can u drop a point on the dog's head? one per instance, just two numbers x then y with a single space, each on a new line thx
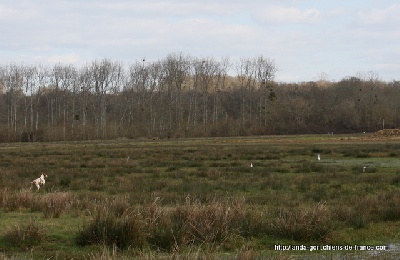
43 176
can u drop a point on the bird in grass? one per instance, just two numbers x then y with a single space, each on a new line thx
251 165
318 157
365 167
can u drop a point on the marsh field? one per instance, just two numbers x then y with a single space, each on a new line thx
200 199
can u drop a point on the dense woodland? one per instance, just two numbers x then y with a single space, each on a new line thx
183 96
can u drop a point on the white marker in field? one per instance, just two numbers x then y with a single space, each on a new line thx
318 157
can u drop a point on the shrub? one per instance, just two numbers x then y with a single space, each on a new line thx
159 226
389 209
161 234
308 224
116 206
53 204
358 220
361 213
106 229
23 198
210 223
25 236
252 222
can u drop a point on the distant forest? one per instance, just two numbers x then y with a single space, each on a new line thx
183 96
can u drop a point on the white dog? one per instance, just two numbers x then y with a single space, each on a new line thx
40 181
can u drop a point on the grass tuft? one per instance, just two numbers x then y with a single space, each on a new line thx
25 236
54 204
309 224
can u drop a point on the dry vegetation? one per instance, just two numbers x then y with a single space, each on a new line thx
198 198
181 96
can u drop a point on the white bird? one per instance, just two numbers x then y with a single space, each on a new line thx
365 167
318 157
251 165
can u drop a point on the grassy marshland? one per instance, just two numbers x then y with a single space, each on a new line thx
198 197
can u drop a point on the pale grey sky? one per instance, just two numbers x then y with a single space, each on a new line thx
304 37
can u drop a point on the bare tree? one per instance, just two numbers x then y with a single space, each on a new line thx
186 96
29 91
13 83
176 69
220 87
104 74
66 78
85 82
155 80
265 74
246 73
137 81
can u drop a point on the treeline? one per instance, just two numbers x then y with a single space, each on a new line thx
184 96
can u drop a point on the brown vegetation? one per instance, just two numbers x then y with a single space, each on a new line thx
25 236
183 96
387 133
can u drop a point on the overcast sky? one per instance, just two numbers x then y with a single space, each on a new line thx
305 38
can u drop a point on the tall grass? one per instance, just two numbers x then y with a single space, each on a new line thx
115 224
309 224
163 228
213 223
54 204
21 199
109 230
51 204
216 224
25 236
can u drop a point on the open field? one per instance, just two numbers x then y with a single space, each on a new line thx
199 198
